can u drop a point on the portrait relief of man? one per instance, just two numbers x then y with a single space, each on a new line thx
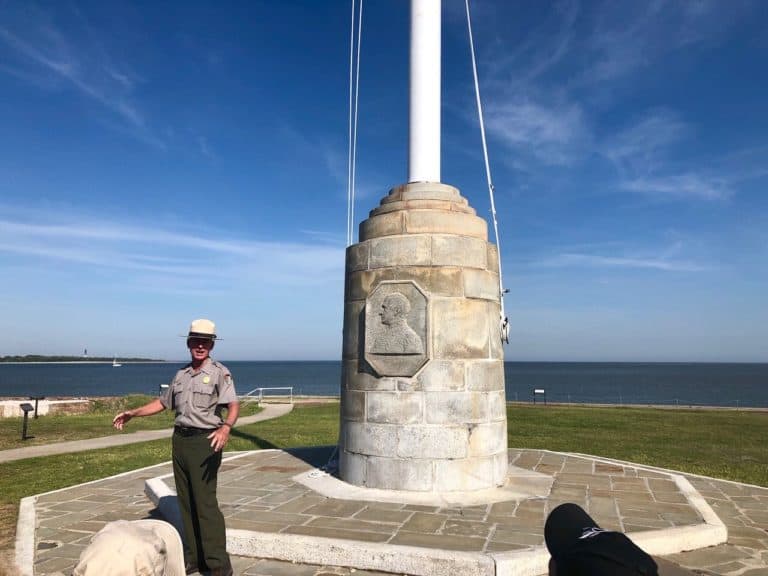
394 335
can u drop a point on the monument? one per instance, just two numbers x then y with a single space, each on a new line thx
422 394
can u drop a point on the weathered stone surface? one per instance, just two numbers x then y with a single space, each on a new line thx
425 191
464 474
456 407
493 258
432 442
353 466
440 222
396 474
497 406
371 439
437 280
481 284
487 439
357 257
424 204
382 225
411 250
353 324
359 284
442 375
355 379
463 330
395 408
353 405
451 250
501 463
485 375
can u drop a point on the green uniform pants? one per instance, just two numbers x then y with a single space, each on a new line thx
195 470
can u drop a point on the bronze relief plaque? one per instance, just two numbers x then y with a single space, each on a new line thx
396 328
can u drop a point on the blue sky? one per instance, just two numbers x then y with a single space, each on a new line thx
166 161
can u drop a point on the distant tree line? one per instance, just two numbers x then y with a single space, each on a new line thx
42 358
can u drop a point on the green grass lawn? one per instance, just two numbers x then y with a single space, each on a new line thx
92 424
724 444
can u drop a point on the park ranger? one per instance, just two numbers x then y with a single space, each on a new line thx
198 394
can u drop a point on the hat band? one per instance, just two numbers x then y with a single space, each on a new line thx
201 335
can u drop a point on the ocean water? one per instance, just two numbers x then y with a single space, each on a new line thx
685 384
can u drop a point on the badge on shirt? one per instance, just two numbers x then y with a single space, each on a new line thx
206 379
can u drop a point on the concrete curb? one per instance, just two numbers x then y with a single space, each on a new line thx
25 536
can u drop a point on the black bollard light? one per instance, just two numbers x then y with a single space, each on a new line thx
27 408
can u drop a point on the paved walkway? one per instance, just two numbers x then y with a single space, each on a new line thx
280 524
269 411
269 512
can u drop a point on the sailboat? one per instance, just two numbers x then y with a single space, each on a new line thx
115 363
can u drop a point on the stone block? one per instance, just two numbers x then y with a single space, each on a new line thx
359 284
353 405
395 407
485 375
422 204
371 439
357 257
465 474
354 321
409 384
353 378
389 224
352 467
441 375
481 284
408 250
501 465
432 442
437 281
397 474
460 328
440 222
456 407
497 405
450 250
488 439
493 257
425 191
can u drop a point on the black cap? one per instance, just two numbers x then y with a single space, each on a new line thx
565 526
579 547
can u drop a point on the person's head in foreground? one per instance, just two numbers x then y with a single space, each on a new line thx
123 548
579 547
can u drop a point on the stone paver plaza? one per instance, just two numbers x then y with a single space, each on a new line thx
270 514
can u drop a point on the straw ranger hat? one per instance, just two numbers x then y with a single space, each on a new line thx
123 548
202 328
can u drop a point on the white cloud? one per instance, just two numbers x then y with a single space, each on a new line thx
640 145
575 260
178 259
690 185
552 134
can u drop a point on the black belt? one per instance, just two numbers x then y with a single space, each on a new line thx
188 431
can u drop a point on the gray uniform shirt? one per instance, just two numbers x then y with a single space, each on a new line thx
199 397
